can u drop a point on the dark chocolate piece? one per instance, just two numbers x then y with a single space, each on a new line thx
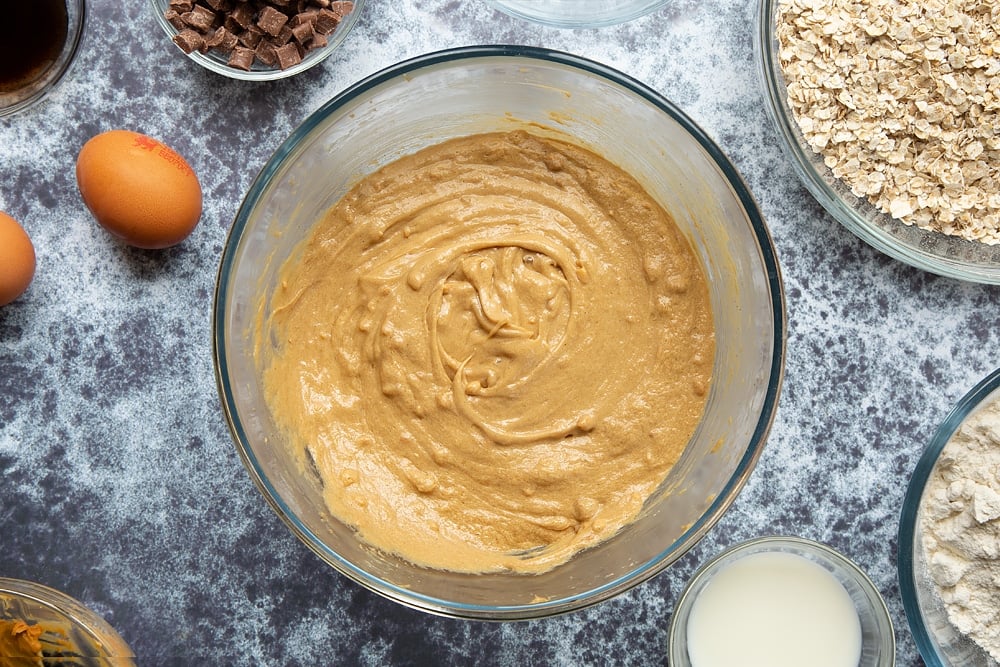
266 53
271 20
288 55
242 15
189 40
283 37
222 39
251 37
342 7
326 21
319 41
303 33
242 58
174 19
200 18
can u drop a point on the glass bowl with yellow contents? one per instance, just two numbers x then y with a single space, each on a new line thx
42 626
499 332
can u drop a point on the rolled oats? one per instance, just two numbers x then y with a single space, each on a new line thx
902 100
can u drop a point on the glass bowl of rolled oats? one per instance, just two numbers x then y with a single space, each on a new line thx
889 110
257 40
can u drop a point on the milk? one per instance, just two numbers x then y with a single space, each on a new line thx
773 609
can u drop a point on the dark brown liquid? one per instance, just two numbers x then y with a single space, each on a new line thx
32 34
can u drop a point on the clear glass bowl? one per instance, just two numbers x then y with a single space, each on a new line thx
460 92
938 253
878 642
70 630
578 13
36 90
218 63
940 644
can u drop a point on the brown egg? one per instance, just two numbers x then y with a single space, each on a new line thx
17 259
139 189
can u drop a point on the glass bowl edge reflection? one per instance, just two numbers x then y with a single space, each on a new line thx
409 597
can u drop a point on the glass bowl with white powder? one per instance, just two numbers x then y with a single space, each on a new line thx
887 113
949 536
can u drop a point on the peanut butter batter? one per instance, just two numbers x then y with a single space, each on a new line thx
19 644
492 351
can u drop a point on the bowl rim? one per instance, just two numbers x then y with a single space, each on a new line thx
841 205
772 544
907 533
311 59
536 13
63 64
637 574
77 613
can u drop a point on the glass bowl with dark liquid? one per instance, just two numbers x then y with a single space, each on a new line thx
38 40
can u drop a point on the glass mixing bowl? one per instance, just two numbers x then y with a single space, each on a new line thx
216 62
466 91
578 13
940 644
71 634
938 253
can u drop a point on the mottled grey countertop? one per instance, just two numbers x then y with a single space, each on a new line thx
119 483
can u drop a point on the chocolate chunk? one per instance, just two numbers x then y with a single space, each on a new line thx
242 58
174 19
220 5
266 53
200 18
327 20
319 41
251 37
271 20
189 40
307 16
222 39
342 7
242 15
303 33
288 55
181 6
283 37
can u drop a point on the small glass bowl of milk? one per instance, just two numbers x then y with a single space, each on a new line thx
781 602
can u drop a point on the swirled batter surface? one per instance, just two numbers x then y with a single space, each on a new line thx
493 350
